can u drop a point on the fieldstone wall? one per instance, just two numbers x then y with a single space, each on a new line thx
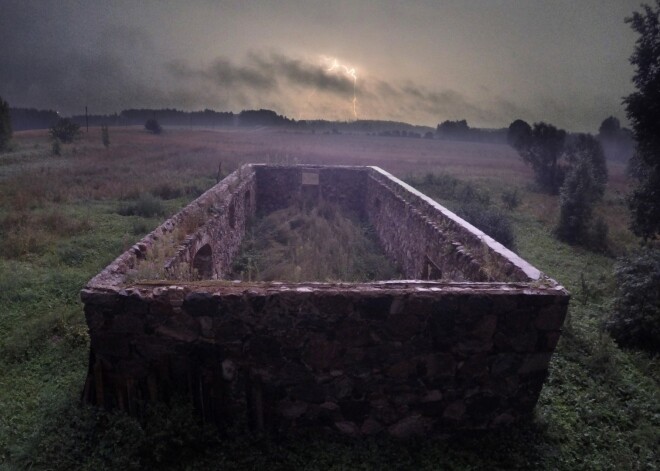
426 238
469 351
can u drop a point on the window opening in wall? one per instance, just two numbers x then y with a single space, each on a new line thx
203 263
431 271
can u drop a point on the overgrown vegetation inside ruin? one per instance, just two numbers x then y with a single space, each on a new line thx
598 410
317 243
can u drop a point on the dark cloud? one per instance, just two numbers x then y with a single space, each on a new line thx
488 62
300 73
265 72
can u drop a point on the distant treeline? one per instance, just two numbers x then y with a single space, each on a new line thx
30 118
616 141
460 131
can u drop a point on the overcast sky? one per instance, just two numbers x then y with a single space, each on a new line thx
487 61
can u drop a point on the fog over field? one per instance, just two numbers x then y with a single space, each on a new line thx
489 62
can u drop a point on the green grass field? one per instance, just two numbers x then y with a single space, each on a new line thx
62 219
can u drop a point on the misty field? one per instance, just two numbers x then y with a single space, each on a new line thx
63 218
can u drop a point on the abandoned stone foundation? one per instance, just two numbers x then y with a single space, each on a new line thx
463 343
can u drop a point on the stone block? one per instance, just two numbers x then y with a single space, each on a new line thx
535 362
348 428
551 317
321 354
411 426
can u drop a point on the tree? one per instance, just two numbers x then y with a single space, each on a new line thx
453 129
617 142
542 149
583 187
644 114
153 126
609 128
585 147
519 134
65 130
5 125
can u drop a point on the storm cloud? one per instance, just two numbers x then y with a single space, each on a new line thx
424 63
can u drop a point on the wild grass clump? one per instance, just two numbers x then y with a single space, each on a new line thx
33 232
316 244
448 187
88 438
147 205
167 191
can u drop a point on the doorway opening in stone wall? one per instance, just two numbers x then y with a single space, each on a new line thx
203 263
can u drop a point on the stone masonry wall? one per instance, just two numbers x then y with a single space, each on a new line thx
394 357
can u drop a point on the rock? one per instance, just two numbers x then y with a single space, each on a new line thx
293 410
454 411
371 427
410 426
348 428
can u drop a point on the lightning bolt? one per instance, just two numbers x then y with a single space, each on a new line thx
333 65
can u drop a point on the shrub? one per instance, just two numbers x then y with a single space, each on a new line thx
598 235
65 130
635 318
493 222
153 126
167 191
583 187
511 199
146 206
56 148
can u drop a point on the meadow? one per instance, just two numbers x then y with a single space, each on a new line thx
63 218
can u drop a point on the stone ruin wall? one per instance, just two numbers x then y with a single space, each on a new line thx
396 357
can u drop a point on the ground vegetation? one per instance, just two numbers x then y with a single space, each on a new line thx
60 224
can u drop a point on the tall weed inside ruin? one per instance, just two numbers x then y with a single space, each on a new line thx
319 243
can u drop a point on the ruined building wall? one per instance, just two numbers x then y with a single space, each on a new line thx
280 187
208 252
397 357
364 359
